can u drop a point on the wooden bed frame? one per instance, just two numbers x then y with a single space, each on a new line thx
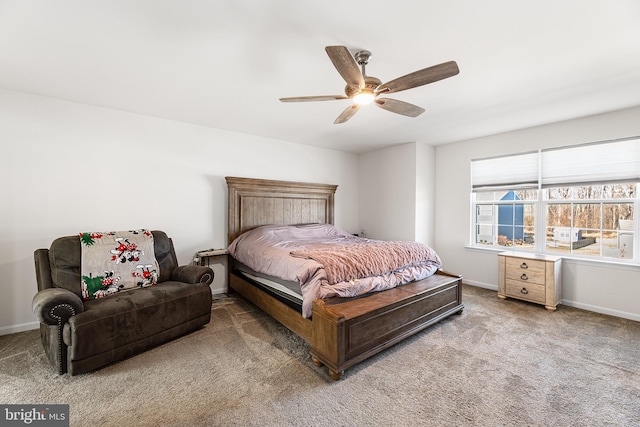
341 331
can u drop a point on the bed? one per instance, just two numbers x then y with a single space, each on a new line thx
342 331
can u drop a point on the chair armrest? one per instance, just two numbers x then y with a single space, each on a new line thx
192 274
54 306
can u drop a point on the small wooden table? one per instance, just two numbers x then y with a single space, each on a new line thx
211 257
530 277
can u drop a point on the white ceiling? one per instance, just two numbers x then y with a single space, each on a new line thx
225 63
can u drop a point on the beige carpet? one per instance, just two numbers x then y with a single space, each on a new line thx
500 363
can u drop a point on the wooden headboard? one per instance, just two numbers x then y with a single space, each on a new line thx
256 202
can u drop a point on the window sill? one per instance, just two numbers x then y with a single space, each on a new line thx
566 258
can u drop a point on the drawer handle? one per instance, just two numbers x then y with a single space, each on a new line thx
524 277
524 291
524 265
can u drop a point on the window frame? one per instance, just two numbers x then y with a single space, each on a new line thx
541 203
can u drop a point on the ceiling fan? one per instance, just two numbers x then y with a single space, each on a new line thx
363 89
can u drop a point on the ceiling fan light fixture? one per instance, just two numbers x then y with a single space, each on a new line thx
363 89
364 97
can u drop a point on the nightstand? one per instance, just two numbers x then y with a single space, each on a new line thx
216 259
530 277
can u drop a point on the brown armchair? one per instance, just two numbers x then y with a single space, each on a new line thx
80 336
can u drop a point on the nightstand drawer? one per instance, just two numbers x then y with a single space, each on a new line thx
527 270
526 276
527 291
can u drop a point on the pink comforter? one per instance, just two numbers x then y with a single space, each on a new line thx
318 256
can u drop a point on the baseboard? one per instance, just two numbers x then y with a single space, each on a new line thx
603 310
582 306
12 329
6 330
215 290
480 284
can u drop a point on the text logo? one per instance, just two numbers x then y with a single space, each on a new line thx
34 415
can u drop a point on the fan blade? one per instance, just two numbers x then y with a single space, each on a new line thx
347 114
421 77
345 64
313 98
399 107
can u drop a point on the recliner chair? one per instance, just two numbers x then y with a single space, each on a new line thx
81 336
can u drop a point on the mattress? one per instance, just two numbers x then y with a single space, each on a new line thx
285 291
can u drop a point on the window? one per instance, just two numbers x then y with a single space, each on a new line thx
505 218
594 220
577 201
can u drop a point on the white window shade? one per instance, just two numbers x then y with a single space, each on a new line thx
508 172
616 161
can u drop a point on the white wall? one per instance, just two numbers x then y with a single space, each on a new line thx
605 288
387 192
67 167
425 193
397 193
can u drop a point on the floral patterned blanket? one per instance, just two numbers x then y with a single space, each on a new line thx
115 261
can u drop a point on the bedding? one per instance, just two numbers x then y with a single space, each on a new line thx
319 257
